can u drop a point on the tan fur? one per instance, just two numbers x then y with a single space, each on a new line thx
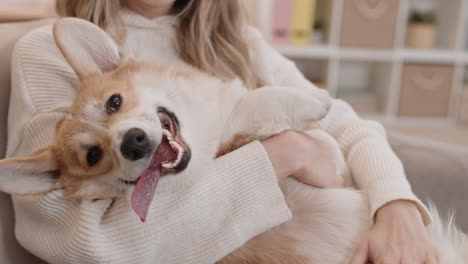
70 154
268 248
42 160
237 141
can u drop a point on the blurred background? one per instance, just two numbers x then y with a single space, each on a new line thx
401 62
22 10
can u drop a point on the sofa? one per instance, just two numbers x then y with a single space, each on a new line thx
437 172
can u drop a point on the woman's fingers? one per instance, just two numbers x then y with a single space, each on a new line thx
432 260
399 236
307 159
318 163
361 253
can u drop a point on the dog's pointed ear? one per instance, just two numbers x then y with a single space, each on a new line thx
86 47
29 175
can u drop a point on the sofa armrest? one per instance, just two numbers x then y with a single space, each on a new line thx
438 173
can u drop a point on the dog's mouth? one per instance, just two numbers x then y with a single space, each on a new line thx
173 150
171 156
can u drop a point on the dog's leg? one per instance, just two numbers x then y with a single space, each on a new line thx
260 114
268 248
268 111
342 168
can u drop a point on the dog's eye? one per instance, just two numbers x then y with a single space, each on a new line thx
113 104
93 156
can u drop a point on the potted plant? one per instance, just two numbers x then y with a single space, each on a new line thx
421 30
318 33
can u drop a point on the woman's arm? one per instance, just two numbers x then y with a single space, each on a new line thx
235 199
374 166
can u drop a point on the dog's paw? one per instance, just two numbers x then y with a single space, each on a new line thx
326 101
268 110
317 105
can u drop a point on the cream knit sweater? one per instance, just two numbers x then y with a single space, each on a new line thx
236 198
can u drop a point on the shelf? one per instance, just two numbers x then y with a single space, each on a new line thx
413 55
306 52
325 51
365 54
369 77
445 32
431 56
464 58
315 71
364 84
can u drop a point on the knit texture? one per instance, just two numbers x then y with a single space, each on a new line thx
234 199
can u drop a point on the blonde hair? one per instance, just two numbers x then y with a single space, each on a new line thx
211 34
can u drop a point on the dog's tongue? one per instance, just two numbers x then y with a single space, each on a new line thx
145 187
144 192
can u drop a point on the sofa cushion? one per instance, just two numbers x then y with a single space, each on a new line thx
438 173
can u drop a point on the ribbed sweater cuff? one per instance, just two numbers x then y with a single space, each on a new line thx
383 192
379 173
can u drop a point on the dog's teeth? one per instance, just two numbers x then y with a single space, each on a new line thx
180 155
177 147
167 165
168 134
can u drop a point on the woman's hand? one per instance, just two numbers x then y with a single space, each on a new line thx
303 157
399 236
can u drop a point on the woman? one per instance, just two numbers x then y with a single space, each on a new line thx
209 35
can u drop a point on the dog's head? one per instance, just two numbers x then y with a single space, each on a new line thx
121 130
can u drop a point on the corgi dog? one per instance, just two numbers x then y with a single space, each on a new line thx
132 123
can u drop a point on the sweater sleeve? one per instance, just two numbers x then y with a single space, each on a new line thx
374 166
234 199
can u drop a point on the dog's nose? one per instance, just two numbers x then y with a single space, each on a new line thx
135 144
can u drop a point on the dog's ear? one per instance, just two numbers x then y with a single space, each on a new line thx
86 47
33 174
